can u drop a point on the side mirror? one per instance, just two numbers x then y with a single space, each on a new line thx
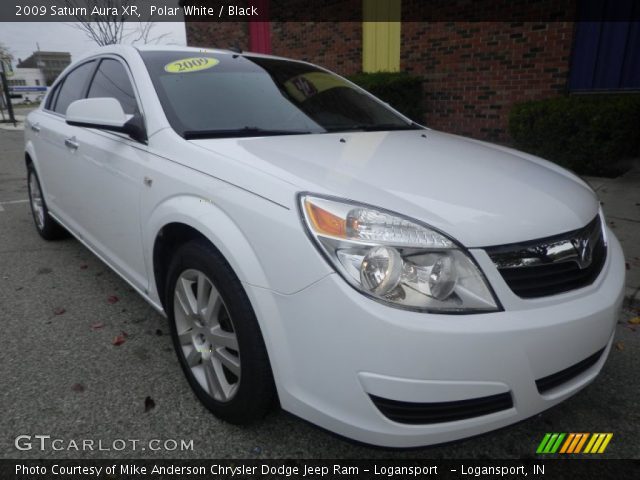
105 114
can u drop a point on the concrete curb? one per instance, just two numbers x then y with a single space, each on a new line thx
6 125
11 128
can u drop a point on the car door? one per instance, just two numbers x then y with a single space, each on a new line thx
109 170
58 164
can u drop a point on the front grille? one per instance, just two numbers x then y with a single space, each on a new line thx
552 381
552 265
439 412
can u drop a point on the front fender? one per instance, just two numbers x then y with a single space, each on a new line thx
213 223
264 242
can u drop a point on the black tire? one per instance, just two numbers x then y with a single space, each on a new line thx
255 393
46 226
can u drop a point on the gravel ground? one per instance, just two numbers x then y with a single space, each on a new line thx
61 376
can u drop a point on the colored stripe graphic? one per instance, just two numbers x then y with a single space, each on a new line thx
581 443
577 440
572 443
567 443
543 443
596 445
598 442
556 445
590 444
608 438
550 443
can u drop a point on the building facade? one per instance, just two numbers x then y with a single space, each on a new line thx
50 63
26 85
473 71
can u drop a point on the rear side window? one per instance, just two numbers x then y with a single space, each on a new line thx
73 87
51 101
111 80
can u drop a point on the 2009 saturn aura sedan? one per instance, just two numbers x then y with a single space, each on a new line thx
310 245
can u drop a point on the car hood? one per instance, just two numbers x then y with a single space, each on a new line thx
480 194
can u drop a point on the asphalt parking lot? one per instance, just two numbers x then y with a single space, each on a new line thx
61 309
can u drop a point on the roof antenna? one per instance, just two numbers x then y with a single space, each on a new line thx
235 49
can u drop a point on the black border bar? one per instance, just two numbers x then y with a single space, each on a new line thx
333 11
316 469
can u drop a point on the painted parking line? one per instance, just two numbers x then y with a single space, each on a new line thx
11 202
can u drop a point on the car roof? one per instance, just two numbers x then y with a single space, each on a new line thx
129 49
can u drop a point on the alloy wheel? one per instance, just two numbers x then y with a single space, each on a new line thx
207 335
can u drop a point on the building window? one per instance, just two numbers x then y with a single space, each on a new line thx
605 54
381 35
37 82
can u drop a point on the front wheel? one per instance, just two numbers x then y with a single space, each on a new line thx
216 336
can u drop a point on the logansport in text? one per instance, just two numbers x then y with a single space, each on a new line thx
499 470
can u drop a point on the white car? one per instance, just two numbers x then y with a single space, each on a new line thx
311 246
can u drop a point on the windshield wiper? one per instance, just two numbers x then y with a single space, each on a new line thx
379 127
239 132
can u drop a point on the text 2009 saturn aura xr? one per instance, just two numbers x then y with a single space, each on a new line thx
312 247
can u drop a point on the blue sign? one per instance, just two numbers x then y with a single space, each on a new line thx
27 89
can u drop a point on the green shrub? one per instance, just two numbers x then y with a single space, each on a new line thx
400 90
590 134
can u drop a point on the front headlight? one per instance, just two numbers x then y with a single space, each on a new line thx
396 260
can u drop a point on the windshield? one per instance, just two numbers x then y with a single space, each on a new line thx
208 95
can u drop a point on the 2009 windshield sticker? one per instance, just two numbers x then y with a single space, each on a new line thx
194 64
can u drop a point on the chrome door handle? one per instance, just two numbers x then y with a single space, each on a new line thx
71 143
35 127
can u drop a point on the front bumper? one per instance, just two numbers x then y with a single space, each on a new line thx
331 349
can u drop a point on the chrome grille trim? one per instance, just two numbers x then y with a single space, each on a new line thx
554 264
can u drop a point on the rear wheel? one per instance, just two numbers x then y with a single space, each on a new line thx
216 336
47 227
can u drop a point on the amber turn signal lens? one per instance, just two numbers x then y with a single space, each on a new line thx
325 223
